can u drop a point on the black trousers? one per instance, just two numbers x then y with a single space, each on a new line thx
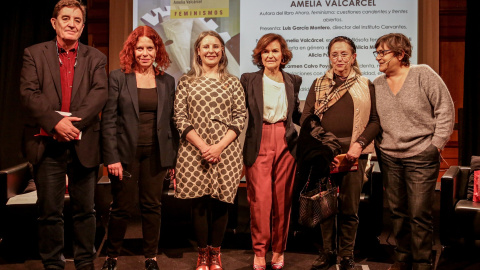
345 228
147 181
59 160
210 219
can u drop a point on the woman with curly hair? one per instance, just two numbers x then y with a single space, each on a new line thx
138 140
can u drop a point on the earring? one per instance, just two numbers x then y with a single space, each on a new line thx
199 60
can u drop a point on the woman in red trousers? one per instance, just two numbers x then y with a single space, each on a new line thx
273 108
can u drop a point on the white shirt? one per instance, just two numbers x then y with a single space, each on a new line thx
274 101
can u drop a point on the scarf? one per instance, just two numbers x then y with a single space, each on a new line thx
325 93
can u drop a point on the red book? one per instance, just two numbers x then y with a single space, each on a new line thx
345 165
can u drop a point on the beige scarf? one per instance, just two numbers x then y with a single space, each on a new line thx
326 96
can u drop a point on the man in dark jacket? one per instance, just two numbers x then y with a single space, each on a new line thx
63 87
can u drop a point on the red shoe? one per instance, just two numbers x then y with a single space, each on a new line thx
203 259
278 265
215 260
259 267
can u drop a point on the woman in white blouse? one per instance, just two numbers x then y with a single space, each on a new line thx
269 148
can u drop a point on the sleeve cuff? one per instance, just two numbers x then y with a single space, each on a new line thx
362 141
439 143
235 129
185 132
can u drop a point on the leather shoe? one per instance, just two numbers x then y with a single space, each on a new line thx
110 264
324 260
151 264
347 263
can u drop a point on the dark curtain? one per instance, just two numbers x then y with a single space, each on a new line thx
470 138
23 23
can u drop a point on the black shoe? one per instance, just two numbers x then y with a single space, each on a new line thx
347 263
110 264
151 264
324 260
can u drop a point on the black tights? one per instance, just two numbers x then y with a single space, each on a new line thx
210 218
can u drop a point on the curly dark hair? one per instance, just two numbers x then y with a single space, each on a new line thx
127 55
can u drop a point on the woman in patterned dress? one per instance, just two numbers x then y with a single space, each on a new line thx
209 114
269 148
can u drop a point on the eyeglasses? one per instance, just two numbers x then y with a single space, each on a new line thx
381 53
343 56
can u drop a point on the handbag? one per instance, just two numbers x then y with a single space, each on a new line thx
317 205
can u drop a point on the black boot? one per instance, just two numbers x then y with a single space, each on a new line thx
110 264
151 264
347 263
324 260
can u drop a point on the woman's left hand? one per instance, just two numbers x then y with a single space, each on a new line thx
354 152
212 155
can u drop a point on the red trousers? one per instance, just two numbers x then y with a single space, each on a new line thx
269 191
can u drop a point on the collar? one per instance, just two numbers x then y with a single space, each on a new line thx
330 74
62 50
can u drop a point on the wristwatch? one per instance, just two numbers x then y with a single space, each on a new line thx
362 144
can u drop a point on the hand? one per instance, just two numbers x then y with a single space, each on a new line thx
335 163
212 155
116 169
205 149
65 130
354 152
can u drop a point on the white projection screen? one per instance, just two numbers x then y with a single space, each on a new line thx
308 26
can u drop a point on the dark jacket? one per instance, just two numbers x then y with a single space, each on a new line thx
41 94
253 85
120 119
316 148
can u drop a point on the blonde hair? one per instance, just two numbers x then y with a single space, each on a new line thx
196 71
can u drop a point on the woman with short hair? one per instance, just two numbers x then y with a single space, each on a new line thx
269 149
417 117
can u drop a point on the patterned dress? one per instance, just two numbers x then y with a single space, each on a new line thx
211 108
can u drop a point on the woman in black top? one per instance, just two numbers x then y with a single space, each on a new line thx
138 140
345 103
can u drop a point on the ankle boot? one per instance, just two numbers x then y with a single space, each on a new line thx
203 259
215 260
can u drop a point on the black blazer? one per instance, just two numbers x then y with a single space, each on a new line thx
253 85
120 119
41 94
